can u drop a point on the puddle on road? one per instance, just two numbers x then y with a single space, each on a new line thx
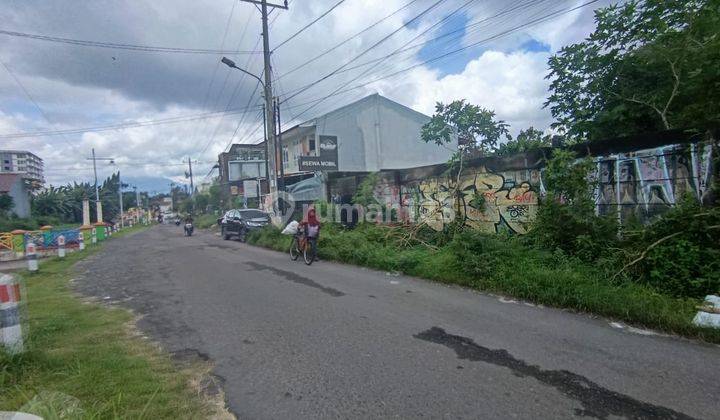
296 278
597 401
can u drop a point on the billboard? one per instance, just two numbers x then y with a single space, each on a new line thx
328 159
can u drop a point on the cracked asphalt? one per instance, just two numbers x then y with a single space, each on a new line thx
338 341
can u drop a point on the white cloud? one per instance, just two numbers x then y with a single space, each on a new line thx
80 87
511 84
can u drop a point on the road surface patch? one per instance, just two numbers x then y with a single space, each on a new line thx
597 401
296 278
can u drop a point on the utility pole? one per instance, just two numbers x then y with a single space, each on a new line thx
269 109
192 188
97 191
137 204
122 224
98 204
281 154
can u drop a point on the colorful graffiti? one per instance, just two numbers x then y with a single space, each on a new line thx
484 200
637 185
646 183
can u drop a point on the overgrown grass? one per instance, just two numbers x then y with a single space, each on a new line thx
82 360
205 221
506 265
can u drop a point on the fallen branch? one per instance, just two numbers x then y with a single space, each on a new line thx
653 245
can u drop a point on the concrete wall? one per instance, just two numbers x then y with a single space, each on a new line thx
639 184
21 198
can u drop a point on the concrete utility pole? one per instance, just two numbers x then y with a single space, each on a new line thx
192 187
122 224
269 109
137 204
98 204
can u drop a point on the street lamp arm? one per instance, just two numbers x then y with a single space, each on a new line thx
228 62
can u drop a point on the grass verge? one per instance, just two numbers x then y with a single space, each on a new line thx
504 265
82 359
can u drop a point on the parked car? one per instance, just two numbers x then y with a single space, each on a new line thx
239 222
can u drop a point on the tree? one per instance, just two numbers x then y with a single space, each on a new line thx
477 130
6 203
528 139
648 65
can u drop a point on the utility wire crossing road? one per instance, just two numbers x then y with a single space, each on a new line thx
337 341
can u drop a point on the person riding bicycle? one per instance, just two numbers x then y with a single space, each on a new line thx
310 228
189 219
310 225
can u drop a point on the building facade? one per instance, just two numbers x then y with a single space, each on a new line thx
14 186
242 170
28 164
371 134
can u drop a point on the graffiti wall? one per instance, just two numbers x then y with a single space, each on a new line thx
494 196
646 183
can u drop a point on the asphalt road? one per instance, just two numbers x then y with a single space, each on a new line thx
337 341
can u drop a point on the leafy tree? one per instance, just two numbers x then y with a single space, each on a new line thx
477 129
528 139
648 65
53 201
6 203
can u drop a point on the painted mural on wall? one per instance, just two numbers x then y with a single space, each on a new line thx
485 200
645 183
640 185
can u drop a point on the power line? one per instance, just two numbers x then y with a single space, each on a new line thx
217 65
120 46
34 102
237 86
461 32
324 53
445 55
383 39
431 27
309 24
122 126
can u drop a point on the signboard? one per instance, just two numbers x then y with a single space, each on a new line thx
234 190
245 169
250 187
328 159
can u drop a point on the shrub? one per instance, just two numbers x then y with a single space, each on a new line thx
566 218
679 253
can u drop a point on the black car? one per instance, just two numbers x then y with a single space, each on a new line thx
241 221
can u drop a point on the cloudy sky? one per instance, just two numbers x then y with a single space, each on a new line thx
491 52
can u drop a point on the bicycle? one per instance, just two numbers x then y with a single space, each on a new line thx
302 244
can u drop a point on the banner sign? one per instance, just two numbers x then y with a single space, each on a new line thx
328 159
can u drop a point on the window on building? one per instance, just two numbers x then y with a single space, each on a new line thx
311 144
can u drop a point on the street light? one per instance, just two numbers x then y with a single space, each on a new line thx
270 139
228 62
112 163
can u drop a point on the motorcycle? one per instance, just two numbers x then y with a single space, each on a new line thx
177 222
188 229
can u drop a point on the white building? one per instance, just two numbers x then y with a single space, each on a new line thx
373 134
369 135
23 162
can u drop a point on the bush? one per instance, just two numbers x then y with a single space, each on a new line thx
566 218
681 251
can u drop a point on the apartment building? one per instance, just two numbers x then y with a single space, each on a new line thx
28 164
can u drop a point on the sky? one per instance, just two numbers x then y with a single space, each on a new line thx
492 53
